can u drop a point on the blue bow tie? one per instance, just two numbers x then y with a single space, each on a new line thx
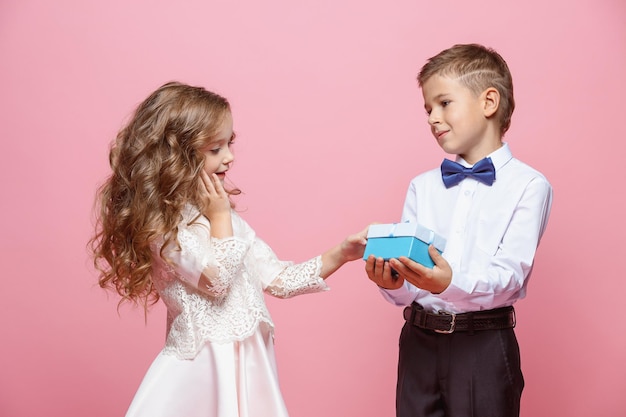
453 173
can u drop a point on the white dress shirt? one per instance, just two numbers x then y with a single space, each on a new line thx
492 234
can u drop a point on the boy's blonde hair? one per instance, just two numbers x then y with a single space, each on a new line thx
156 161
478 68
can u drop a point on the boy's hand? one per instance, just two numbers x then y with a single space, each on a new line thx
435 280
379 272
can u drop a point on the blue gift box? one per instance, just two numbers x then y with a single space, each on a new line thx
403 239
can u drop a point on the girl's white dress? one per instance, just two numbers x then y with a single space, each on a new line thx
218 359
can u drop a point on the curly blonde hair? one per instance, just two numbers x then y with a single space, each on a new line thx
156 161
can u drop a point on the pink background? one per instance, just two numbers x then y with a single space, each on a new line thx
331 130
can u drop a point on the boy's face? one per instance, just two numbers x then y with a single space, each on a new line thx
457 119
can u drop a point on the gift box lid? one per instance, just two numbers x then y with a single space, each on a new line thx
409 229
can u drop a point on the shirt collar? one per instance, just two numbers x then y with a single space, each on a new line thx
499 157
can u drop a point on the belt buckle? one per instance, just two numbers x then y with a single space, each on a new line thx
452 323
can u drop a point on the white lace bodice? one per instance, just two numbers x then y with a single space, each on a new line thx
227 303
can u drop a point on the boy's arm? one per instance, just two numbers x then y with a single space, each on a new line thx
501 262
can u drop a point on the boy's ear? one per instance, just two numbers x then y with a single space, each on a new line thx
491 100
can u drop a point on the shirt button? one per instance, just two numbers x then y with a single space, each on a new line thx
467 193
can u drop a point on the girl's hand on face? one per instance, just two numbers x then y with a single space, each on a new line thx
216 198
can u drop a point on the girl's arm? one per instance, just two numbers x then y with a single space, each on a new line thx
206 263
285 279
350 249
218 210
209 256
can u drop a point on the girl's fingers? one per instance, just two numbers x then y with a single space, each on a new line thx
206 180
213 189
212 184
217 184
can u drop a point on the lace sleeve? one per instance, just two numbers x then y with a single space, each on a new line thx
229 255
282 279
302 278
206 263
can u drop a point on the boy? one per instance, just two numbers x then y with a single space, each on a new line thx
458 352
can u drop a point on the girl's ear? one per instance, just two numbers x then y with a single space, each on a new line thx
491 101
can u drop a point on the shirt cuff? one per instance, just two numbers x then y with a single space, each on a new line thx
402 296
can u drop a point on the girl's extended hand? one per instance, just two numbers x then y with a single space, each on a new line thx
216 205
353 246
350 249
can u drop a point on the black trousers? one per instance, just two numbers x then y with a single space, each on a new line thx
458 375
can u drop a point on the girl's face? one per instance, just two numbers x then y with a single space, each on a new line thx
217 154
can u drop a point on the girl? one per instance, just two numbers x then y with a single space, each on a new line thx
167 230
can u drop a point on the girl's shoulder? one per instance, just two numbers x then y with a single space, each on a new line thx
240 226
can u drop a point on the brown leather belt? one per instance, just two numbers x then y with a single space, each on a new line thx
444 322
